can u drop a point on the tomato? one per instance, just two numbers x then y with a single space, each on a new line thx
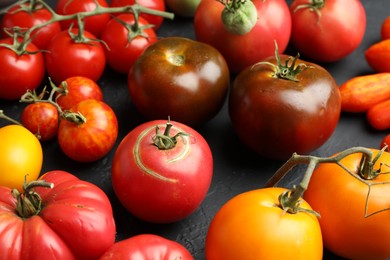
241 51
71 220
18 73
356 208
29 16
124 44
41 119
178 77
21 156
377 56
385 29
66 57
174 179
147 246
262 230
385 141
93 138
327 31
158 5
185 8
276 116
92 24
78 89
378 116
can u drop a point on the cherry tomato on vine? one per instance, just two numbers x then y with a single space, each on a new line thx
263 230
90 139
67 56
124 44
19 73
93 24
356 207
171 162
41 119
327 31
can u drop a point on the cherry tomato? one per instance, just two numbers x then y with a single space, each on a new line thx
66 57
19 73
275 115
158 5
79 88
240 51
92 139
185 8
385 29
174 179
354 211
41 119
124 45
385 141
327 31
178 77
262 230
147 246
21 156
29 17
93 24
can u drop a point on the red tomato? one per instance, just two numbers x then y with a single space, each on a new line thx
252 225
66 57
240 51
385 29
19 73
125 44
72 220
90 140
327 31
385 141
41 119
28 17
354 210
377 56
147 246
158 5
174 180
79 88
93 24
181 78
277 116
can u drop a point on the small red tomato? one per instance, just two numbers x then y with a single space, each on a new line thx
377 56
385 29
41 119
171 162
385 141
79 88
90 139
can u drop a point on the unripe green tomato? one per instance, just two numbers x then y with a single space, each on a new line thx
185 8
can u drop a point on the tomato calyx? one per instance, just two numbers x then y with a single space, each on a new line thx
164 141
367 171
314 6
238 16
134 30
29 202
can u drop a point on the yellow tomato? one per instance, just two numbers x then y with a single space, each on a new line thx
20 155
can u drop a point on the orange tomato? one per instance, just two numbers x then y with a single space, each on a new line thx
253 226
351 228
378 56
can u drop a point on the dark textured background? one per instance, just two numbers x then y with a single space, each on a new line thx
236 168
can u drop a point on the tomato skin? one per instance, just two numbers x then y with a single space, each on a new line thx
331 188
41 119
385 29
283 235
378 55
277 117
174 181
93 24
79 88
24 19
21 156
241 51
19 73
66 58
76 222
122 53
92 140
179 67
147 246
332 36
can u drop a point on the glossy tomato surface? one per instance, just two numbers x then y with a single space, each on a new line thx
181 78
75 221
276 117
147 246
241 51
174 181
357 209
